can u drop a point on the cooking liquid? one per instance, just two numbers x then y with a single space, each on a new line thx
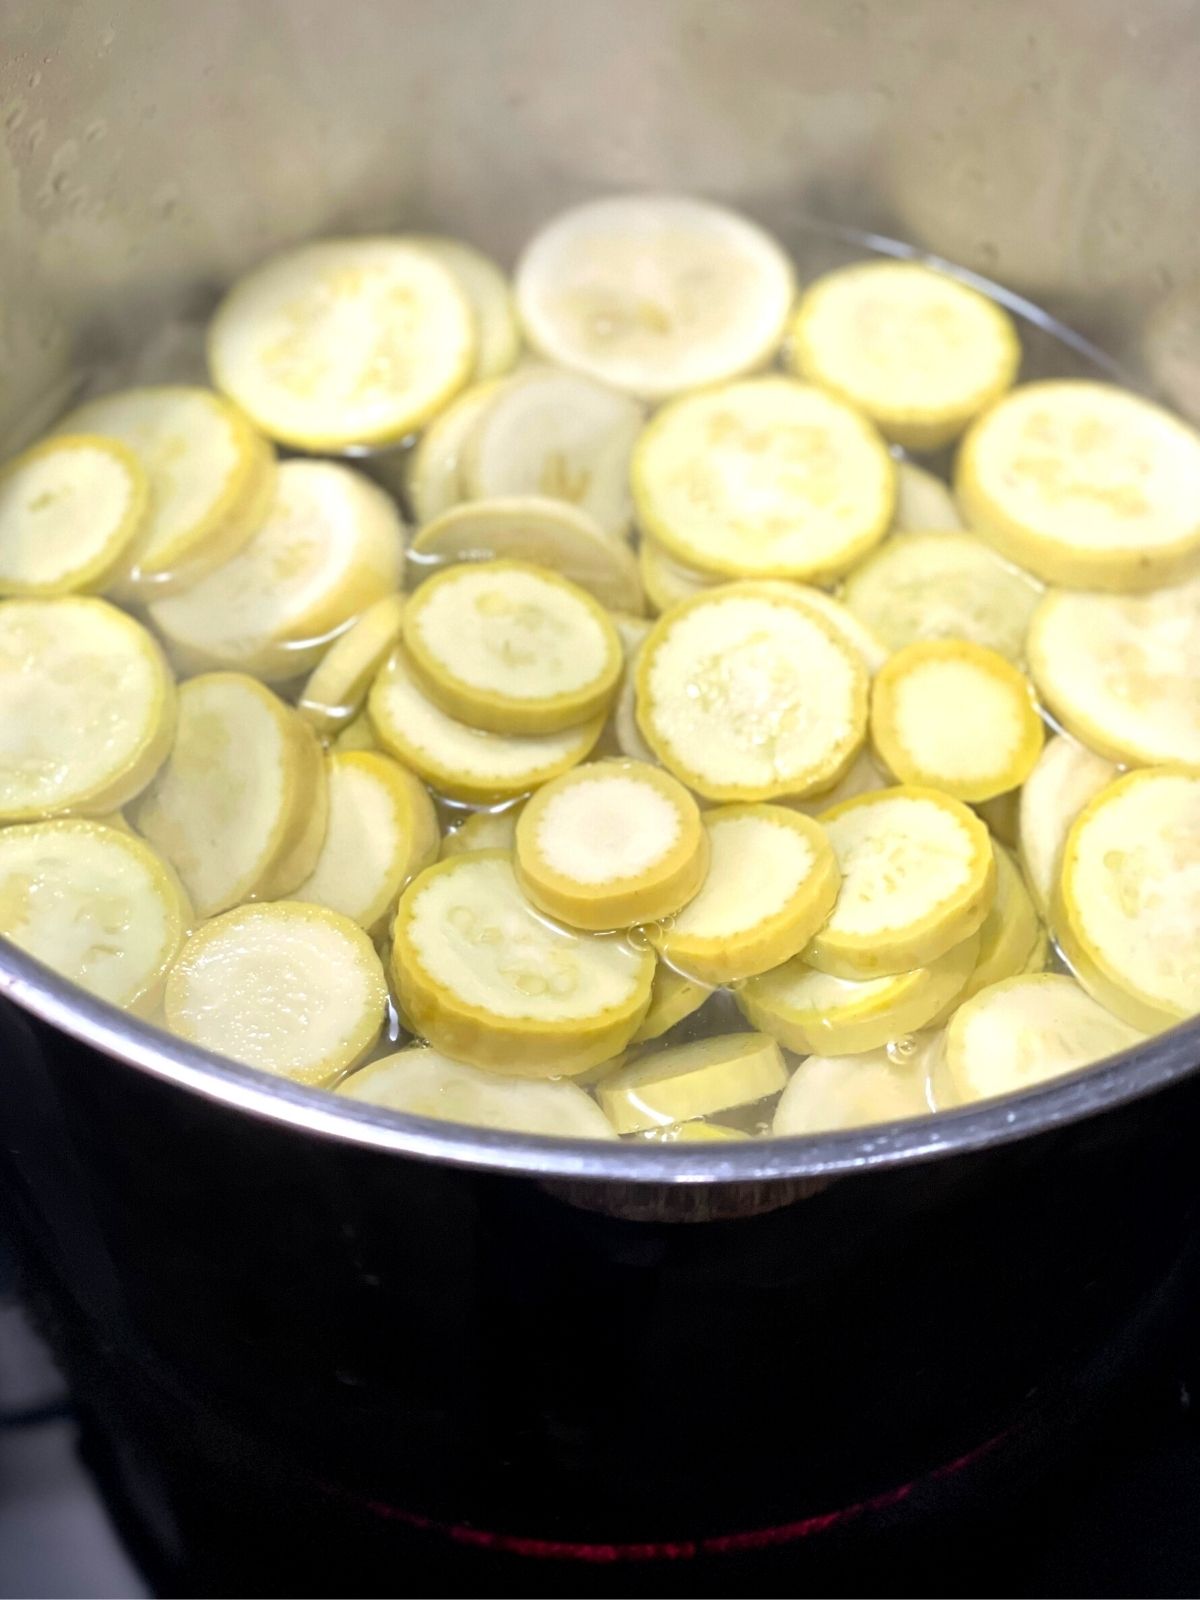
1049 350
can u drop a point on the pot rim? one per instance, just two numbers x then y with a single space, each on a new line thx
1163 1059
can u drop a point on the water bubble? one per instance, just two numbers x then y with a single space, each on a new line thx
393 1029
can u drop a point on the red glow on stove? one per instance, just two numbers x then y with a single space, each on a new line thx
721 1544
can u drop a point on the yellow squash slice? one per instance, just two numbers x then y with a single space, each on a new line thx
955 716
1120 672
1127 907
382 830
498 335
654 294
919 352
1066 777
344 342
211 479
331 545
96 904
464 762
621 735
943 586
485 978
296 990
863 639
673 998
560 435
611 844
232 800
745 693
692 1080
512 648
1024 1031
827 1093
812 1012
918 876
1085 484
768 478
430 475
69 509
923 502
667 581
87 708
626 734
588 1077
771 883
1011 936
424 1083
308 818
546 533
337 687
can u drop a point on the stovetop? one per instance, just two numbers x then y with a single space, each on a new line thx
56 1537
1119 1514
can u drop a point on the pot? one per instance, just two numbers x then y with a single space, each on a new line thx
320 1337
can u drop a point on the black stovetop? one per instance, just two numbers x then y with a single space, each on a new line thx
1116 1513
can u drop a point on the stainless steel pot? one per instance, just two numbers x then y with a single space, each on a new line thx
360 1321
